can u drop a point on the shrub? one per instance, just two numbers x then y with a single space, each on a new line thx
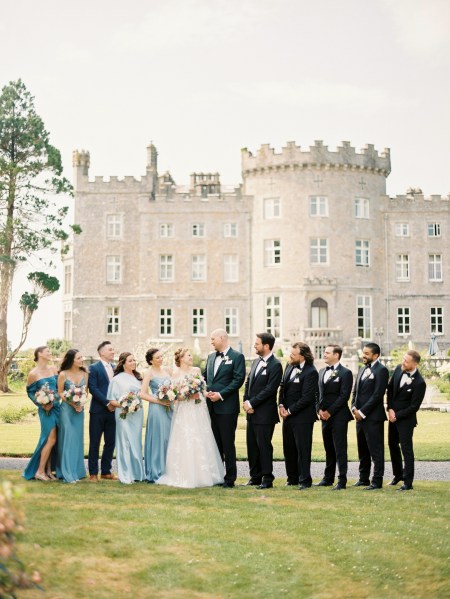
12 415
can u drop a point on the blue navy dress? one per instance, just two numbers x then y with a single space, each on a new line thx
71 441
157 433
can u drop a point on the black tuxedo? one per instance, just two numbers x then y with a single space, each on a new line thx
405 401
333 398
368 397
224 413
298 394
101 421
261 391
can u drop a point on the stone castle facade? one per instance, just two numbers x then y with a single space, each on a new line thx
309 247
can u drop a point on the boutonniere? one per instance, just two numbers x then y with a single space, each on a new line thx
409 380
333 375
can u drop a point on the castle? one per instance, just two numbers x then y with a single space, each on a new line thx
308 247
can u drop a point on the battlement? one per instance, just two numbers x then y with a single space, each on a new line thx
318 156
416 195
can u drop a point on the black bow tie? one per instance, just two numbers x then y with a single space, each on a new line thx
219 353
330 368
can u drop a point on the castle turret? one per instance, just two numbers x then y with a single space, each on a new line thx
81 161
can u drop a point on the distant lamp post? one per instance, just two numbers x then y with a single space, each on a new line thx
379 332
433 350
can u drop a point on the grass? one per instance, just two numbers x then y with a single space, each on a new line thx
107 541
431 439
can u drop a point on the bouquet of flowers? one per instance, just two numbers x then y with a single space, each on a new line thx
76 394
129 402
167 392
45 396
192 385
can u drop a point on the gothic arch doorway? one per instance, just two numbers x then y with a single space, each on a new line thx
319 313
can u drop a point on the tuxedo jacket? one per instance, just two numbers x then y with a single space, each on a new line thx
261 391
299 394
368 394
98 386
406 400
227 381
335 393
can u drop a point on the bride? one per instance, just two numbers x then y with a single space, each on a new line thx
193 459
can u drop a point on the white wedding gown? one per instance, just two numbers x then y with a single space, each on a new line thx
193 459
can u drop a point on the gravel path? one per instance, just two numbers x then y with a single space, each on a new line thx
424 470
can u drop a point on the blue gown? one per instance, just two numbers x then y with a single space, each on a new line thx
157 433
70 441
48 422
130 467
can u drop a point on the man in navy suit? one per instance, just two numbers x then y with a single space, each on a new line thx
260 404
405 393
297 404
368 409
335 387
102 420
224 375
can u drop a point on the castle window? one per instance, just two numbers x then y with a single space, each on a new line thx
434 230
437 320
113 269
435 267
272 252
199 267
402 229
361 208
318 206
403 321
231 268
112 320
198 321
364 316
318 250
230 230
68 278
68 324
114 226
319 313
402 267
272 208
166 267
361 252
165 322
198 230
232 321
273 315
166 230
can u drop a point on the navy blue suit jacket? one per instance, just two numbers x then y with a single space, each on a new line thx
98 386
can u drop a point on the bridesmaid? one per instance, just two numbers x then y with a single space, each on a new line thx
129 430
43 461
71 421
159 416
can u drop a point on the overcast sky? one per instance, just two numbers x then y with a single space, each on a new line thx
204 78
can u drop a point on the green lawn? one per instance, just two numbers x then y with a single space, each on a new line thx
431 438
108 540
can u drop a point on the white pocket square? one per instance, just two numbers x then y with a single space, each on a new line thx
296 381
263 373
371 376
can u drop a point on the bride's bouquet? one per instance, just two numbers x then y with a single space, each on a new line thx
129 402
191 388
45 396
168 392
76 395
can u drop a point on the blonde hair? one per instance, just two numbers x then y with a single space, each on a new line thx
179 354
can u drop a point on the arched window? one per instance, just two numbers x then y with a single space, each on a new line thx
319 313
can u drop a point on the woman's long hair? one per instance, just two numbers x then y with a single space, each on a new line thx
67 361
120 364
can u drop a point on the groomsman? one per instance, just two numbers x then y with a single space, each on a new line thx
297 405
102 419
335 387
260 404
224 375
405 393
368 409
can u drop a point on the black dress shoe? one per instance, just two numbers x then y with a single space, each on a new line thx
303 487
362 483
405 488
288 484
338 487
323 483
395 481
371 488
252 483
228 485
265 485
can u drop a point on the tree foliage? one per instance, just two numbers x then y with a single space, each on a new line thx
31 217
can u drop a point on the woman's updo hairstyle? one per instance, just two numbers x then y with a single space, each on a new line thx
179 354
38 350
149 355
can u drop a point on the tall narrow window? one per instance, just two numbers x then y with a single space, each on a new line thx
437 320
272 252
273 315
364 315
361 208
231 268
232 321
362 252
403 320
198 322
198 230
68 324
112 320
165 322
319 313
230 230
318 206
113 269
166 267
272 208
114 226
199 267
67 278
402 267
435 267
318 250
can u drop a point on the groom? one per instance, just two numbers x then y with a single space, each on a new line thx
224 375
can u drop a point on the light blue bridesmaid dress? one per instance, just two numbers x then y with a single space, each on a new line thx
71 441
48 422
130 467
159 421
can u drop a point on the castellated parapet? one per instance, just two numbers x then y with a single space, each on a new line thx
318 156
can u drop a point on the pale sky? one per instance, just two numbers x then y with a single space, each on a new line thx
204 78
